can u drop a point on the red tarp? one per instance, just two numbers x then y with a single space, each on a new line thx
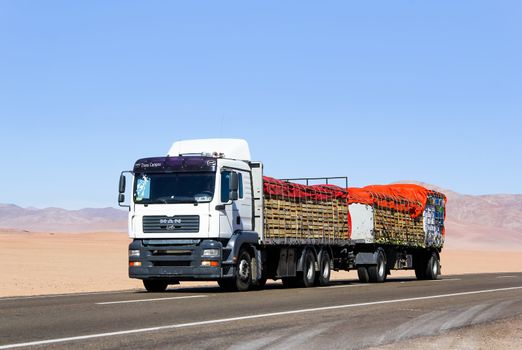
292 190
321 193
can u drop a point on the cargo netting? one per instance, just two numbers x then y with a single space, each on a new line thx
295 212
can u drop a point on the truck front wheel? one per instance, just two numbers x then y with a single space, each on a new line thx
244 271
155 286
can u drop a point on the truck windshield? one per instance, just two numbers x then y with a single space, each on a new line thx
174 188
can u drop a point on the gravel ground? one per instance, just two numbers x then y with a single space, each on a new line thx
498 335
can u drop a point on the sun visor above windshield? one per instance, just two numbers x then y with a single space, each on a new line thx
171 164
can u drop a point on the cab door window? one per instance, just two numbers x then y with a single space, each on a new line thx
225 185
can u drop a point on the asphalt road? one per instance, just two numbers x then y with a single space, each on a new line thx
345 315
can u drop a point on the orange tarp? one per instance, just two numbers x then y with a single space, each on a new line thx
408 198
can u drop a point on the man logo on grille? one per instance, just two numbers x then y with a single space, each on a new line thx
170 221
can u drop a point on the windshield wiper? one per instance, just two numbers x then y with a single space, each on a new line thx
172 199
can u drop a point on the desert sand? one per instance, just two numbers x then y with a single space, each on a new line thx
57 263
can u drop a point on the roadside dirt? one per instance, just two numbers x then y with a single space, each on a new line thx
498 335
57 263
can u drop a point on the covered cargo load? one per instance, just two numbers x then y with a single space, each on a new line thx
401 214
296 213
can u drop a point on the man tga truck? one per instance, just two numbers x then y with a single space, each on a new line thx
205 212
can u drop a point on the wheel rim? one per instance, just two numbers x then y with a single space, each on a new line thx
244 268
326 269
381 268
434 268
310 271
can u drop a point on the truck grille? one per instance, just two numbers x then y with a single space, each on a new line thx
171 224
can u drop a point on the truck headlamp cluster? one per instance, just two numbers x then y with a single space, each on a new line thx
210 253
134 252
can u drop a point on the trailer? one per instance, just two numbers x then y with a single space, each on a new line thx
397 227
205 211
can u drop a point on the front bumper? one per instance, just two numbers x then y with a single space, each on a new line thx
176 260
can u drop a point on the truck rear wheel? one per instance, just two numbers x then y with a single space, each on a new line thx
306 278
289 282
259 284
155 286
377 273
323 277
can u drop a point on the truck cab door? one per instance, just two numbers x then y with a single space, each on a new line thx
237 214
230 212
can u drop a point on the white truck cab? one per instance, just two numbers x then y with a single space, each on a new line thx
191 210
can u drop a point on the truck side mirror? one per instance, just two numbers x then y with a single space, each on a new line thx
122 189
234 186
122 184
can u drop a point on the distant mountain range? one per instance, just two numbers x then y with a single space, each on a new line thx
17 218
472 222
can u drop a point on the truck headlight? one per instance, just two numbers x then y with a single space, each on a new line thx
134 253
210 252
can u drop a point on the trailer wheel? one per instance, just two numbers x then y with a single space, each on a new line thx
155 286
244 271
362 273
323 277
433 267
306 278
420 265
420 274
377 273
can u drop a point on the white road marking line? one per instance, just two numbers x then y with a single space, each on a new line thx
507 276
345 286
145 300
439 280
250 317
66 295
447 279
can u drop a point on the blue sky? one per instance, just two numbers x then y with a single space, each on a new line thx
378 91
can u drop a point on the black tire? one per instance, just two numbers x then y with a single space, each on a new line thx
155 286
306 278
377 273
322 278
244 271
420 273
420 270
362 273
420 264
227 284
259 284
432 267
289 282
